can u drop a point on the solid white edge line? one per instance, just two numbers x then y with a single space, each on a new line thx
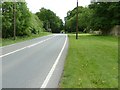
54 66
26 47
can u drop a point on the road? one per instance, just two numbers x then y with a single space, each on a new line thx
36 63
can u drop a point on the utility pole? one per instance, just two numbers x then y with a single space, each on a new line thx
14 10
77 21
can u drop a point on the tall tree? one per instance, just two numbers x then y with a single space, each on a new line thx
26 22
50 20
7 19
105 16
84 15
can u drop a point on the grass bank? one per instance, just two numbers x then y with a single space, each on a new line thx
8 41
92 62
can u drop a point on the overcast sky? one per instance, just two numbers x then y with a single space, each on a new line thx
60 7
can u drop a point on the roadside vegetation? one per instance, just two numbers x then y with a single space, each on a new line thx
92 62
51 22
8 41
28 25
26 22
99 16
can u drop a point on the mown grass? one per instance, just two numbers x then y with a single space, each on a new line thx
92 62
8 41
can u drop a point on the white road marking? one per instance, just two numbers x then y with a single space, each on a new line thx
20 42
27 47
54 66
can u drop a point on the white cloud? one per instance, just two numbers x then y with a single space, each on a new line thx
60 7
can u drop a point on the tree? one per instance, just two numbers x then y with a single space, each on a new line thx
84 15
23 19
26 22
7 19
50 20
36 26
105 16
98 16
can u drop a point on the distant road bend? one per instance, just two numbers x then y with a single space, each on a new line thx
36 63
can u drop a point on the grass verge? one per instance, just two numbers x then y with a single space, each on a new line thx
92 62
8 41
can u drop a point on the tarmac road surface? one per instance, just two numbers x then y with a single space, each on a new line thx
36 63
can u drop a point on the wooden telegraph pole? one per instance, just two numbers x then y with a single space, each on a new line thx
77 21
14 8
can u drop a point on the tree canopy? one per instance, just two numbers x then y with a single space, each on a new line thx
26 22
84 15
105 16
97 16
50 20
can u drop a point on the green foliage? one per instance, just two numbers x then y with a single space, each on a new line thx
84 15
98 16
8 41
36 26
23 18
7 19
50 20
105 16
26 22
